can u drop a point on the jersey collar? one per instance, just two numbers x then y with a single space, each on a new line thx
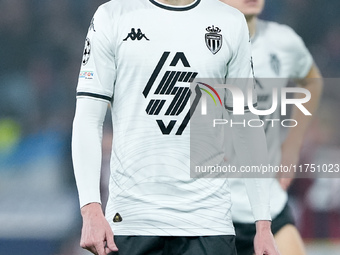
175 8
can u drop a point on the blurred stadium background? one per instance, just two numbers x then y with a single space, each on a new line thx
41 44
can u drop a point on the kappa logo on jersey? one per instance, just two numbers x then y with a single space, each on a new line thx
133 35
213 39
275 63
167 86
87 51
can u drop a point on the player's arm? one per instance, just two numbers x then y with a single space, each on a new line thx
250 146
87 156
292 145
94 93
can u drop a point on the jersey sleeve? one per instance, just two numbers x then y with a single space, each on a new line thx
86 148
94 91
98 68
251 150
303 60
240 70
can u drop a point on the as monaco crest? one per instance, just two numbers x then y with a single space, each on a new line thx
213 39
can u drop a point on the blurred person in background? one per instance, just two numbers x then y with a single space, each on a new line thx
278 54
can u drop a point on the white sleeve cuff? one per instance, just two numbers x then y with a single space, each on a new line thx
261 212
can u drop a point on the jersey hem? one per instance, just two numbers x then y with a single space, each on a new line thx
173 232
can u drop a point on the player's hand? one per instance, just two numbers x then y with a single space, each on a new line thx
289 157
264 242
96 236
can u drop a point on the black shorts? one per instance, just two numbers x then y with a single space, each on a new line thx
174 245
245 233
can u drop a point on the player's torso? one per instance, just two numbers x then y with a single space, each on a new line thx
158 51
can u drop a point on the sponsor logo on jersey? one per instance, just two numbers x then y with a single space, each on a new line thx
133 35
117 218
87 75
213 39
275 64
87 51
171 84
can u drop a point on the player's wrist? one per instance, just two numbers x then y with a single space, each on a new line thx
263 226
91 209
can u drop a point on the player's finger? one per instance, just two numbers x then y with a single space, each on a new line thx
99 248
87 246
91 249
258 251
108 251
272 251
110 241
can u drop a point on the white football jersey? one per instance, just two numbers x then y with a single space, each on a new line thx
141 55
278 54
